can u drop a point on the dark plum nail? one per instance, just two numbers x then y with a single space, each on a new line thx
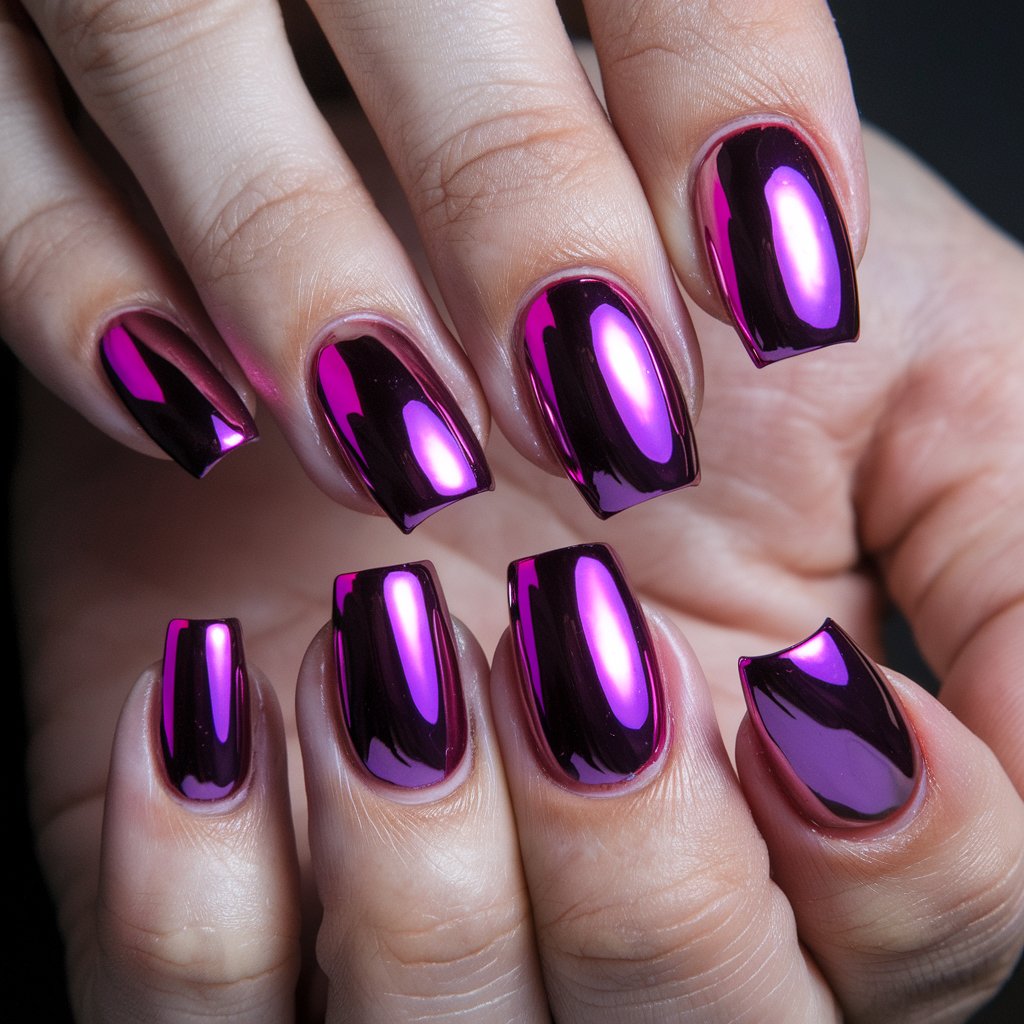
399 425
398 674
607 396
777 244
832 729
174 391
204 723
586 664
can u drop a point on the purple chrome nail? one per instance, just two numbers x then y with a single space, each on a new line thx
586 664
832 728
400 426
607 396
174 391
398 674
777 244
204 721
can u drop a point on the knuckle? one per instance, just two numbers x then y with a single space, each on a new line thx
505 158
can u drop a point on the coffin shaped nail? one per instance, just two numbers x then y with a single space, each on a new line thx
610 403
400 426
398 674
777 244
174 391
204 721
832 729
586 664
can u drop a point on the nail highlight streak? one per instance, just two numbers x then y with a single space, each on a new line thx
832 729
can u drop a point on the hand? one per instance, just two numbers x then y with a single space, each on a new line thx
889 466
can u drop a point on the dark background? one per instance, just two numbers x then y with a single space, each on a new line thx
945 79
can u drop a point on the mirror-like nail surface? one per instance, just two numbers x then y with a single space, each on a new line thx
777 244
204 720
586 663
606 393
400 427
398 674
174 391
830 724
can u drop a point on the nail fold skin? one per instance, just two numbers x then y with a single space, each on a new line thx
204 721
586 663
398 674
607 396
174 391
399 425
832 730
777 244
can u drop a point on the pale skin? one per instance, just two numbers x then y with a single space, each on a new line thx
886 467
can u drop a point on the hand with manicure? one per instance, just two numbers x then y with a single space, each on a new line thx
415 828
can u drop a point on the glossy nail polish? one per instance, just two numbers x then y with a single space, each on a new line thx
204 721
607 396
174 391
832 729
398 674
586 664
399 425
777 244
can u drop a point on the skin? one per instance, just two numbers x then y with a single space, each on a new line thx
889 468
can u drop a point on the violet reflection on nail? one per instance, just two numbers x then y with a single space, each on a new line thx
204 720
607 396
398 674
777 244
830 723
400 426
586 664
174 391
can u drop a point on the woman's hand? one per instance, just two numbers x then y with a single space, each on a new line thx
888 467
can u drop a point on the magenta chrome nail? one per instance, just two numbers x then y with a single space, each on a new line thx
777 244
204 721
832 729
586 664
174 391
398 675
399 426
611 406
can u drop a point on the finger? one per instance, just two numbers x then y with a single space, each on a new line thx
198 896
86 301
412 836
538 233
893 831
296 267
939 507
741 123
650 886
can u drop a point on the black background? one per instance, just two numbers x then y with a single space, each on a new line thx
943 78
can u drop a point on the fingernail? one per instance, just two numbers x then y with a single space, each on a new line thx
398 674
174 391
586 664
204 724
777 244
610 403
832 729
400 426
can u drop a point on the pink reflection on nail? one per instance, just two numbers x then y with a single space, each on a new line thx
634 386
609 635
170 673
340 394
804 249
436 450
227 436
128 364
218 665
819 657
403 598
